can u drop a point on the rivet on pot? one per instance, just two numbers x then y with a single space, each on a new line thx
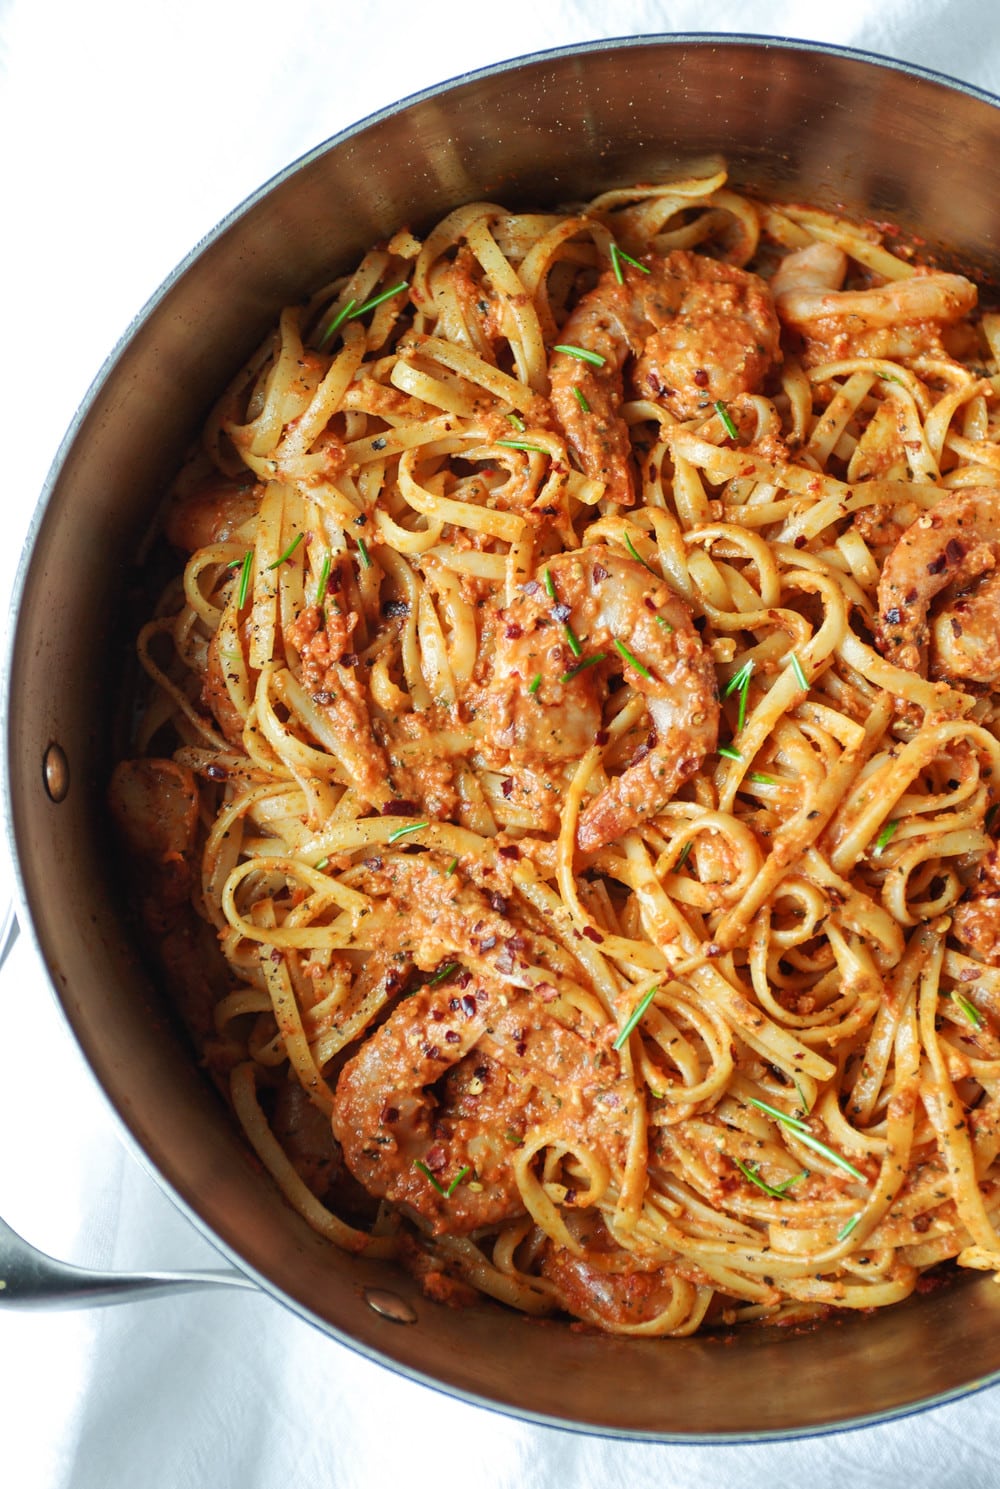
55 772
389 1305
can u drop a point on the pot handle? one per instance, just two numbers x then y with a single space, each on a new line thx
30 1278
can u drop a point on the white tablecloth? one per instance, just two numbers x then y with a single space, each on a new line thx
126 131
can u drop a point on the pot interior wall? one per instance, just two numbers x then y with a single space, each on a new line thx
798 123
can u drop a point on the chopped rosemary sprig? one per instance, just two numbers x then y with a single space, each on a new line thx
447 1193
582 354
885 836
618 257
365 555
623 651
805 1136
288 552
442 975
378 299
600 656
535 683
969 1009
635 1016
522 444
775 1191
633 550
241 594
729 753
517 422
324 579
581 399
402 832
726 417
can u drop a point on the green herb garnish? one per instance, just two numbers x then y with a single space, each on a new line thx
800 676
342 315
442 975
451 867
618 257
322 863
378 299
848 1226
402 832
600 656
288 552
631 660
635 1016
324 579
594 358
535 683
760 779
522 444
517 422
805 1136
241 594
729 753
447 1193
724 415
574 644
581 399
365 555
969 1009
665 624
885 836
682 856
740 683
775 1191
640 560
550 585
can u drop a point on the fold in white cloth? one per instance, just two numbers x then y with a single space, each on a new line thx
129 131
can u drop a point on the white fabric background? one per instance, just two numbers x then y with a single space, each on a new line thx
126 131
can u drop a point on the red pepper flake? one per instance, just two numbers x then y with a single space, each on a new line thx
509 850
401 809
513 631
600 573
592 934
507 785
436 1158
499 904
452 1036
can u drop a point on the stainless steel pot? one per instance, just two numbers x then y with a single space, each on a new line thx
812 123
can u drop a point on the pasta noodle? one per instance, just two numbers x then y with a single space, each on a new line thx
564 800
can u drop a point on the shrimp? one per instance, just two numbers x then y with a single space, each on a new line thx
211 512
607 1286
948 548
904 318
543 706
431 1111
975 920
701 331
155 805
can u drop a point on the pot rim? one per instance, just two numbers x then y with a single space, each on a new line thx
763 43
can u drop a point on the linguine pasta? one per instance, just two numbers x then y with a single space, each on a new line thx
564 805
